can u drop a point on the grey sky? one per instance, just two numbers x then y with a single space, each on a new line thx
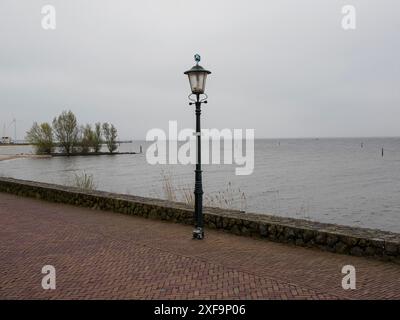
284 67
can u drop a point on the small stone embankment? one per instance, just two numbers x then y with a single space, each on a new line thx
328 237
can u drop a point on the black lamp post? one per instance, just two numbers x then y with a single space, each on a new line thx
197 79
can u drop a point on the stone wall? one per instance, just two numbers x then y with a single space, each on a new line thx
329 237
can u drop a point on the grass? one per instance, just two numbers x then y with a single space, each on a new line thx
84 181
168 188
228 198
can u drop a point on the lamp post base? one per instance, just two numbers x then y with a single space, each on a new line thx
198 233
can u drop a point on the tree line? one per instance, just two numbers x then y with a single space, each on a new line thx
69 137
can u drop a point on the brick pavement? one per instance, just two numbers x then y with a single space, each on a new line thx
105 255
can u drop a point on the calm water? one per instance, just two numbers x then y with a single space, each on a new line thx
327 180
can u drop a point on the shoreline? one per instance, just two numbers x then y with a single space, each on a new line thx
4 157
85 154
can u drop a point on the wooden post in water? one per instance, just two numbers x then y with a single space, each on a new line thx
382 152
141 149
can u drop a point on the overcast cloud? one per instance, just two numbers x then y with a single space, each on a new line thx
284 67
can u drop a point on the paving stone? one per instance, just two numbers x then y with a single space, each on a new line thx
104 255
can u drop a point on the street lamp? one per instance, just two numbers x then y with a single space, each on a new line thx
197 79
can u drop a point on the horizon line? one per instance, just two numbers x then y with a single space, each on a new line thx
292 138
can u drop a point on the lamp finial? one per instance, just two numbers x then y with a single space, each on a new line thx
197 58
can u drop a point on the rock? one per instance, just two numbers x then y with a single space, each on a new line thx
279 229
212 225
289 233
272 230
320 238
363 243
308 235
356 251
263 230
245 231
235 229
246 223
253 228
331 240
299 242
350 241
391 249
370 251
378 243
153 214
341 247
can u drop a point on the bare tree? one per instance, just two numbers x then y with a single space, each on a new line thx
97 137
110 136
86 139
41 136
66 131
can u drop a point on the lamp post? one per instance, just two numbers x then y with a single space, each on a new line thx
197 79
